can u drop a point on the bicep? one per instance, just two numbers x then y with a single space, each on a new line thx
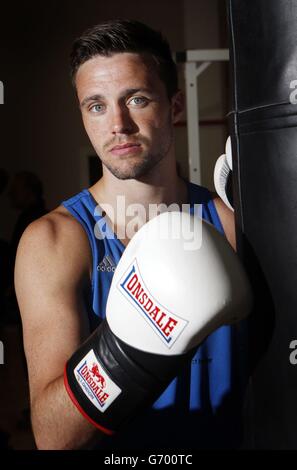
49 290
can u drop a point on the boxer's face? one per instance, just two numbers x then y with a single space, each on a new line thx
126 112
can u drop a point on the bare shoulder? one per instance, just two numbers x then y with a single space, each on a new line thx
56 226
53 262
56 234
227 219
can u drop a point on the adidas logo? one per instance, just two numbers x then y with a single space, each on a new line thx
107 265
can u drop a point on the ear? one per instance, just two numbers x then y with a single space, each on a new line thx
177 106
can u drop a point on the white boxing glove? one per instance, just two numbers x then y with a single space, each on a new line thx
175 296
228 152
222 173
167 295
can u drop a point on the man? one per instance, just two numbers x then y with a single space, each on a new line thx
126 84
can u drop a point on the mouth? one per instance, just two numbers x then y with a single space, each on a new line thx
125 149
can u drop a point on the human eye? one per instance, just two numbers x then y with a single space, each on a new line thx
97 108
138 101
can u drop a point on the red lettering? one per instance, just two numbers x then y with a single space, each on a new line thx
97 389
93 385
164 322
143 298
159 320
169 326
132 282
104 398
90 380
148 305
84 370
137 291
154 313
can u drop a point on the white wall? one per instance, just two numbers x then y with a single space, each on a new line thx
204 28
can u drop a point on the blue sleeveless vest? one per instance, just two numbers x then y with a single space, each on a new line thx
201 407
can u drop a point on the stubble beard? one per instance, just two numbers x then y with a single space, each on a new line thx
137 167
134 170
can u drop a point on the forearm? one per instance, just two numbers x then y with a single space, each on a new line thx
57 424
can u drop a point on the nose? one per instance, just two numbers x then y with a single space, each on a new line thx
122 122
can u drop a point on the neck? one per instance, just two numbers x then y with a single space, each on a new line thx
161 186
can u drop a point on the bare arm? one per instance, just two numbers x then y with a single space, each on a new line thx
50 277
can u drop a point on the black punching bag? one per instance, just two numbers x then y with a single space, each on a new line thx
263 127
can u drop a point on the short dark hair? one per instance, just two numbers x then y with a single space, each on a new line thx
118 36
